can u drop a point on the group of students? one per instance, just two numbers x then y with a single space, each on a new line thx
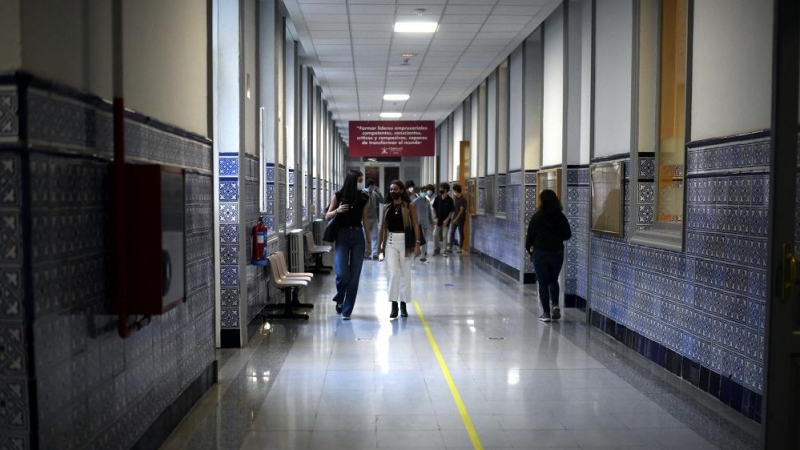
364 217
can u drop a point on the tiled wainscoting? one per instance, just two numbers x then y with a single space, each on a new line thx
67 380
704 306
498 237
576 264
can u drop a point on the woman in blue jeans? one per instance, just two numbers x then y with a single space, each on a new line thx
349 205
547 231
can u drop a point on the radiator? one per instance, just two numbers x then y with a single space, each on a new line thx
296 251
318 230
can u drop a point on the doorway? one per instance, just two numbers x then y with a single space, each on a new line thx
782 415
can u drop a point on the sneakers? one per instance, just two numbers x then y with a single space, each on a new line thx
556 313
338 308
545 317
403 311
393 314
345 317
423 259
435 253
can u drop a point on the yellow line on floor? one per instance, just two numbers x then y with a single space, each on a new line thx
473 435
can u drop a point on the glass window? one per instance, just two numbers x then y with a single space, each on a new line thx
661 87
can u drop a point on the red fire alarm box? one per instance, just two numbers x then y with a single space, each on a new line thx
155 238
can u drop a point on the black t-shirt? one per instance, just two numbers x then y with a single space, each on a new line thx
443 207
352 218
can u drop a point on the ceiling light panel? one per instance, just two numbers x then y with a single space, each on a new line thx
420 26
391 115
396 97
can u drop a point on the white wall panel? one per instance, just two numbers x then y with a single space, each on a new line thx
732 67
574 85
10 36
553 115
586 82
515 118
612 88
491 124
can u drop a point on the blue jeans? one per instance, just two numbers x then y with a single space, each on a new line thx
548 266
347 260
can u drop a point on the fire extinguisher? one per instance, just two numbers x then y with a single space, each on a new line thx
260 241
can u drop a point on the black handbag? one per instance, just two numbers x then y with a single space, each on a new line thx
331 230
411 237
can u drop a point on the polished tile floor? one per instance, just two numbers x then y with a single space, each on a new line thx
373 382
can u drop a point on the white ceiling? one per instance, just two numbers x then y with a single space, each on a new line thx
357 56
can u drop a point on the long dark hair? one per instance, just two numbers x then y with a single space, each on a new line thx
403 192
349 190
549 202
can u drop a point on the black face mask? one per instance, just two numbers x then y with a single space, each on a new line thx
441 192
395 195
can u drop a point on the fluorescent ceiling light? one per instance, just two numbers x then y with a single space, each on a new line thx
415 27
395 97
391 115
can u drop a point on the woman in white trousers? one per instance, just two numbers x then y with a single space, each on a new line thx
399 215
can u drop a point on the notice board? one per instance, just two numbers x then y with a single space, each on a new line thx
378 138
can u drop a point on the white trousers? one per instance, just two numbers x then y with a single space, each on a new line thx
399 268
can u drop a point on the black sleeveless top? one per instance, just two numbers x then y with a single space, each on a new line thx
352 218
394 218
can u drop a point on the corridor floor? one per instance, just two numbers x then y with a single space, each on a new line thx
372 382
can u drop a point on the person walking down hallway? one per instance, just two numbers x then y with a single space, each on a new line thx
423 206
399 215
547 231
443 207
459 216
374 211
349 205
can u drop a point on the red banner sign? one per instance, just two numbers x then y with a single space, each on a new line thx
392 138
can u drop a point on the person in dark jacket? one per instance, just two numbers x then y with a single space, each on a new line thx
547 232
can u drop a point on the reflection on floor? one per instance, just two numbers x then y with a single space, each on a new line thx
377 383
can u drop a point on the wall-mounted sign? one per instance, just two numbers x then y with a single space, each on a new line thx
392 138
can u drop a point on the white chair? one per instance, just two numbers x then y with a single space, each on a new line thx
317 251
287 286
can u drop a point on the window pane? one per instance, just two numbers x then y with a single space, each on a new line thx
672 109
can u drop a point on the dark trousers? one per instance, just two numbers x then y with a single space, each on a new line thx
348 258
548 266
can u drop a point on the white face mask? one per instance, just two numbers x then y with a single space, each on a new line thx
430 193
360 186
411 190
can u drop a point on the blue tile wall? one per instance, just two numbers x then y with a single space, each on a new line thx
230 246
9 118
93 389
500 236
15 414
576 264
706 304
